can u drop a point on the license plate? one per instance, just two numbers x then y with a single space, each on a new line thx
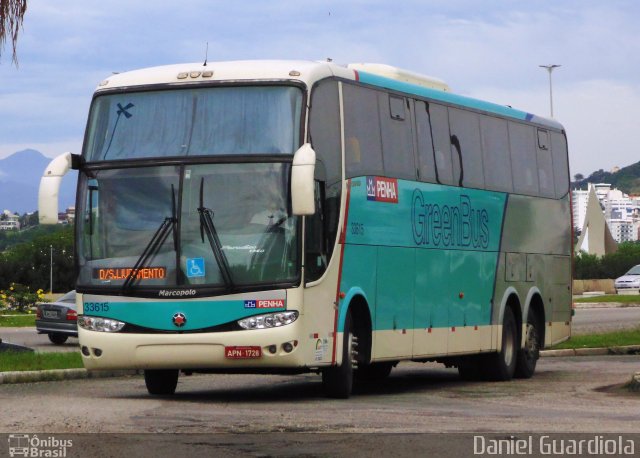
242 352
50 314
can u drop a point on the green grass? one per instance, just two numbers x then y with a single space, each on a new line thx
34 361
17 320
609 339
623 299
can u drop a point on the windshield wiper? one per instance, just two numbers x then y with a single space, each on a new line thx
207 226
156 242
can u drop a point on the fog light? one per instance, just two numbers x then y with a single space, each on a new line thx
287 347
85 351
272 349
97 352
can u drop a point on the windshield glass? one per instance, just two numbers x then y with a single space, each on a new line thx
152 219
635 270
194 122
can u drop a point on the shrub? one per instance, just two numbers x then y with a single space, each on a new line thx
20 298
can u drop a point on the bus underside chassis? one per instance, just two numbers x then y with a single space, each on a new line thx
511 361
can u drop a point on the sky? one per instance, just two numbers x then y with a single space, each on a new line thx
487 49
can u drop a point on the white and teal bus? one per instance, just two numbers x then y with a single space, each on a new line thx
291 217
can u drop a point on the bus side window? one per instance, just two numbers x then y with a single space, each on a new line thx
495 153
465 126
426 150
560 165
545 165
363 145
524 167
324 133
441 143
397 137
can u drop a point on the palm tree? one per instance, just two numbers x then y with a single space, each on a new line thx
11 16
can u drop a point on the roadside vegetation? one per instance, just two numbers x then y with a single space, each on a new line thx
9 320
34 361
617 298
614 265
608 339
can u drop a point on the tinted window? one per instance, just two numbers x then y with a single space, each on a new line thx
426 165
560 164
545 165
324 130
523 158
465 130
496 155
363 150
441 142
397 137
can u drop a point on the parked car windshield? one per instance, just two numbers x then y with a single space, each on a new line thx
635 270
68 297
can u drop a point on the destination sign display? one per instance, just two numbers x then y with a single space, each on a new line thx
122 273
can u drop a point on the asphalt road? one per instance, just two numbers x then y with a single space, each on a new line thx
251 415
605 319
28 337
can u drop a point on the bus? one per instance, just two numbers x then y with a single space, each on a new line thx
290 217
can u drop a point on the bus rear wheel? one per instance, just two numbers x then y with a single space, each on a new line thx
528 356
337 381
501 366
161 381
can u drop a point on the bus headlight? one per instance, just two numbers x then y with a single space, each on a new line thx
269 320
95 323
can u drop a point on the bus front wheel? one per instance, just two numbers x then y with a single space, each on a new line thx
337 381
161 381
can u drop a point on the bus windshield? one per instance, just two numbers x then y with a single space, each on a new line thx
206 121
215 225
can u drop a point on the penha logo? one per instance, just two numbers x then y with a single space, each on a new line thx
381 189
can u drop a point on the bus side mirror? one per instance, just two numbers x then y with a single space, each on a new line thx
50 186
302 181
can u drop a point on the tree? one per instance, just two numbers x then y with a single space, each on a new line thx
11 17
578 177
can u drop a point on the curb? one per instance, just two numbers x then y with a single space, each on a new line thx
625 350
58 375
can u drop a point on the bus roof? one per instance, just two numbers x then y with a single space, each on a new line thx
309 72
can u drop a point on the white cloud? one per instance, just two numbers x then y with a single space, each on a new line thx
490 49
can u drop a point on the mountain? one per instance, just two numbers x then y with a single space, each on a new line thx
20 176
627 179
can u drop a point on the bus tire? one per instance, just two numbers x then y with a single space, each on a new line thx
337 381
528 356
501 366
161 381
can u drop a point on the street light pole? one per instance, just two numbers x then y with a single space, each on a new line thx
550 69
51 270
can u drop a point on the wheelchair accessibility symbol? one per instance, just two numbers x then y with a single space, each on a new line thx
195 267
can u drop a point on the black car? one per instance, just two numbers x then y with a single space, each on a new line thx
58 319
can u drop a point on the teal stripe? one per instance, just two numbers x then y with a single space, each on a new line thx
158 315
447 97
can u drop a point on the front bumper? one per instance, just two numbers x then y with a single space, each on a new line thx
190 351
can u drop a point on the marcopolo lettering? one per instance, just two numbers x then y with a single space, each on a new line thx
444 225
